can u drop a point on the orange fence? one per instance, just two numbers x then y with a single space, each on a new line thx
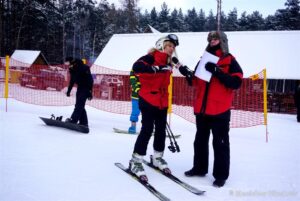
47 85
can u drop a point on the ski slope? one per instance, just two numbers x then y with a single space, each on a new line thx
41 163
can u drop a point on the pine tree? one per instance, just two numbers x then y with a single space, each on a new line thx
174 21
211 22
154 19
192 20
255 21
163 18
243 22
202 20
293 14
130 15
232 21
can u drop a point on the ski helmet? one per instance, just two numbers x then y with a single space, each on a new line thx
171 37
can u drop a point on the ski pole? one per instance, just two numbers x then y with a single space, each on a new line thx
171 147
171 134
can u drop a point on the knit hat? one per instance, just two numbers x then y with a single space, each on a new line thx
223 40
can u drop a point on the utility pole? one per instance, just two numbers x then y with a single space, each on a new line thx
219 10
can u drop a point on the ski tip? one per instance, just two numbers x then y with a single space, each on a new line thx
200 192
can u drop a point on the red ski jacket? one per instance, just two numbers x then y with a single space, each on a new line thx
216 97
154 84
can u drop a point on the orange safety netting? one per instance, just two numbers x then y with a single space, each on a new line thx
47 85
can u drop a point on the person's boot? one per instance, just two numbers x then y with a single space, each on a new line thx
219 183
132 130
158 162
136 166
193 172
69 120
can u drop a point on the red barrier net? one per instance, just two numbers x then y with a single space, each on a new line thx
47 85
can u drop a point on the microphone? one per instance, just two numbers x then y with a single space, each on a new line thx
184 70
176 62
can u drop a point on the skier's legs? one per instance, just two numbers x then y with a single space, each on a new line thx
135 110
79 105
298 112
143 138
160 130
220 130
83 120
201 146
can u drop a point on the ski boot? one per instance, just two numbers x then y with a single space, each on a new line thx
158 162
219 183
132 130
136 167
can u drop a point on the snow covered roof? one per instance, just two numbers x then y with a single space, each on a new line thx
153 30
277 51
26 57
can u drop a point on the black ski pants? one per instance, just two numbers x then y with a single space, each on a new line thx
298 110
151 116
220 132
79 113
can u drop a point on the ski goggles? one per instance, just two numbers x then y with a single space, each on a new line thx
173 38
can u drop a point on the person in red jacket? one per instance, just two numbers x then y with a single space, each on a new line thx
212 109
153 71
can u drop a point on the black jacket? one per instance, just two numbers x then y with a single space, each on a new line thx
80 75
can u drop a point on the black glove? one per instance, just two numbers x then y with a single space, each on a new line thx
185 71
189 78
68 93
211 67
90 95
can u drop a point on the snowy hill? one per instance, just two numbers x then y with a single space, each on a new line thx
40 163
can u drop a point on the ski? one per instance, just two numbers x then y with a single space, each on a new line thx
122 131
176 180
146 184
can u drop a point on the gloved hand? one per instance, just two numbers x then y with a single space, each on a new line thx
90 95
155 68
185 71
165 68
189 78
211 67
68 93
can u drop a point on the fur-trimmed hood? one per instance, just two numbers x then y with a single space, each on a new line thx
223 40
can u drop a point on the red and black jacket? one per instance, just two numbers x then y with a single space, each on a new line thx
216 97
154 84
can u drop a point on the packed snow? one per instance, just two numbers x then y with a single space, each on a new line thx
42 163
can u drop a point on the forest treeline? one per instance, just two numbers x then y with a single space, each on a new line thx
81 28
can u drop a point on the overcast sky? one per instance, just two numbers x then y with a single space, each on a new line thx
265 7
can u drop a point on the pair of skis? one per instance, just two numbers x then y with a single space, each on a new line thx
155 192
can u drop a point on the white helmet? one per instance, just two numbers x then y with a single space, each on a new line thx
171 37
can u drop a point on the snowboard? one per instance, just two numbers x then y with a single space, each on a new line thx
58 123
117 130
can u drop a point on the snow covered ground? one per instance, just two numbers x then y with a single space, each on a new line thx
41 163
